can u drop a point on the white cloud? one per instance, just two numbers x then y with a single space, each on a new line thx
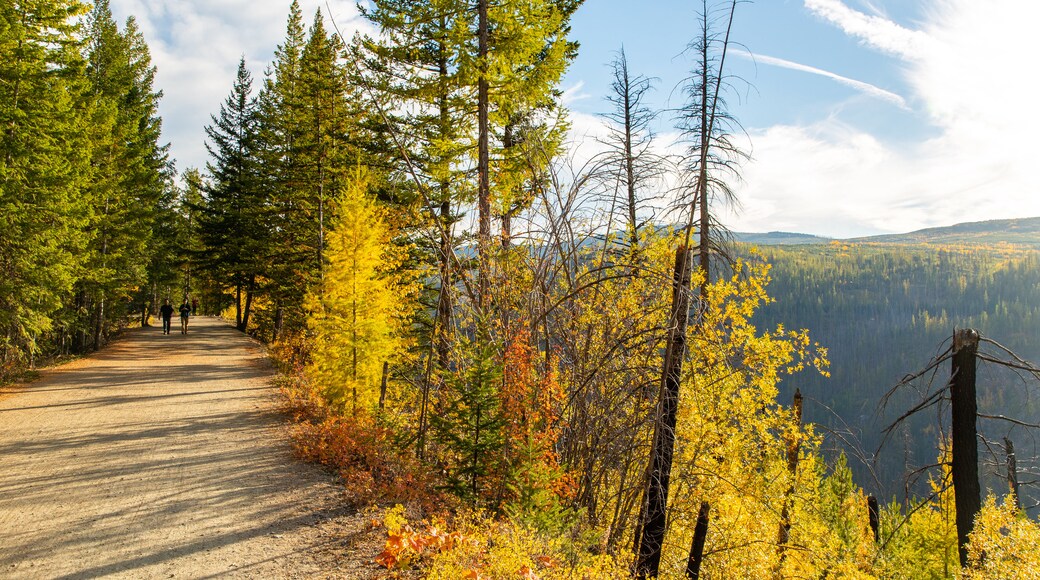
196 46
873 30
968 72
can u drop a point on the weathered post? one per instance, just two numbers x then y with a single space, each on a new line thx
700 534
965 451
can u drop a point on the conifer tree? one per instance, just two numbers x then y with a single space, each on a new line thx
415 64
232 219
309 133
44 168
279 105
361 311
470 424
131 167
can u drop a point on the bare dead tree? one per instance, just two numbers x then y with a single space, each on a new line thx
631 159
706 128
966 350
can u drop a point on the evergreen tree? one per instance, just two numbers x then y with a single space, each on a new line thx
279 107
131 173
231 221
309 133
415 64
470 425
44 168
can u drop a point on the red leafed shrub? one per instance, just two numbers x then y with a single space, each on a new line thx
374 466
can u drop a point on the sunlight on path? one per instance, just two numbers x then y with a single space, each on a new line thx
161 456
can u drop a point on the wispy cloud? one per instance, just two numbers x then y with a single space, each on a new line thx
865 88
872 29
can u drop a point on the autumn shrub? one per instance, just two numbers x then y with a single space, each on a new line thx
477 546
1004 544
367 454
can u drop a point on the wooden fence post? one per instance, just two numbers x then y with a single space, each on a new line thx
965 451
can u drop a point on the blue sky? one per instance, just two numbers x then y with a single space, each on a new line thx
864 116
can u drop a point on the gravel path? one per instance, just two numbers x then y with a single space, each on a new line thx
164 456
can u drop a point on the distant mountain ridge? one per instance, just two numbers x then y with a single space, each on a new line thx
1020 231
778 238
1024 231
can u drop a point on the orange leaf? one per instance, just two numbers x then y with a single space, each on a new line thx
386 559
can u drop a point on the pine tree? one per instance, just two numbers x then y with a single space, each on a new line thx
309 133
131 167
470 424
279 109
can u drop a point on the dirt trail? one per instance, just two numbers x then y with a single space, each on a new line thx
164 456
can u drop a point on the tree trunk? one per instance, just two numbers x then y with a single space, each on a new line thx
652 524
238 306
244 324
793 447
1012 472
965 452
483 161
99 327
700 534
874 517
382 385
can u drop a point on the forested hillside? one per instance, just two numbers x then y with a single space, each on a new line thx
512 345
884 310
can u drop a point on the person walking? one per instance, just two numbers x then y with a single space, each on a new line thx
185 310
194 305
166 313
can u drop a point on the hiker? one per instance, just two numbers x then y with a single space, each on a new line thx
194 305
185 310
166 312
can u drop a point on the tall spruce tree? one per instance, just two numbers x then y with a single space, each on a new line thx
279 105
232 224
309 133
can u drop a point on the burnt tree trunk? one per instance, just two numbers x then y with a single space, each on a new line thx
652 524
965 451
382 385
483 162
1012 472
793 447
700 534
874 517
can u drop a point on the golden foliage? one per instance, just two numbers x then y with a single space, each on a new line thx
359 314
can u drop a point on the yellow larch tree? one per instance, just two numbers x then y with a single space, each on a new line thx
359 315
